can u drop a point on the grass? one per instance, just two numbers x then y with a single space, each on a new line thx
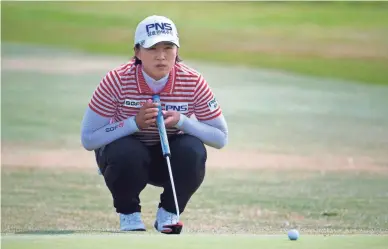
60 106
37 201
72 209
335 40
191 242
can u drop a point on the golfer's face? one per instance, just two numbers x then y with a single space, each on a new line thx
159 59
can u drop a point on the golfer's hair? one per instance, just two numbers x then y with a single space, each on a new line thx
138 62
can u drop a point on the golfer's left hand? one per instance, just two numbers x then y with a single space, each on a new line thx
171 118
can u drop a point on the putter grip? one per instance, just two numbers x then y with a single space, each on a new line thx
162 128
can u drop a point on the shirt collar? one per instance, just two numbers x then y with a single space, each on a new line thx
149 80
143 78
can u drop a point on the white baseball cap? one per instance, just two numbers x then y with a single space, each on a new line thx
154 29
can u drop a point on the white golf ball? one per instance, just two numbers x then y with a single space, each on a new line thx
293 234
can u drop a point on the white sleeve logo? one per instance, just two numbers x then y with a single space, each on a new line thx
212 104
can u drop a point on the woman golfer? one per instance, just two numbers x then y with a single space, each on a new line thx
120 126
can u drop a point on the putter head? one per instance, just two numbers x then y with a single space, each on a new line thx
173 229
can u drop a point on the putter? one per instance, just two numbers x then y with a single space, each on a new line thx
175 228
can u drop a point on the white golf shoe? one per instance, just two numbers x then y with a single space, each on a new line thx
167 222
131 222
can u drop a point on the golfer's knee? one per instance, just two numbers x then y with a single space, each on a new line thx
127 151
193 149
192 160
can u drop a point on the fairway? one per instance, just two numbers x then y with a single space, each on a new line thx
304 92
332 40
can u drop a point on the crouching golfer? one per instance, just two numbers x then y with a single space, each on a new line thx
120 126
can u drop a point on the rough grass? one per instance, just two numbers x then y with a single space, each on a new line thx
230 201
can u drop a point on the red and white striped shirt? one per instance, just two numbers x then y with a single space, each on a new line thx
123 91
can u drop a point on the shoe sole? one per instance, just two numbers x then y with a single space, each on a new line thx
171 229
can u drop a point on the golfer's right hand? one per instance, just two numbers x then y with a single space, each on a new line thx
147 114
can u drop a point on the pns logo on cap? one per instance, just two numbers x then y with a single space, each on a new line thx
158 28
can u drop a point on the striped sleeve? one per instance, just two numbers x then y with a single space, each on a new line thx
104 99
205 103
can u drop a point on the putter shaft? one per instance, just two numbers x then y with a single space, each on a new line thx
173 187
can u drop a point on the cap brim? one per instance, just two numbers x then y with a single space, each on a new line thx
160 38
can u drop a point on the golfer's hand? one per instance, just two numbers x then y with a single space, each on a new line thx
171 118
147 115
